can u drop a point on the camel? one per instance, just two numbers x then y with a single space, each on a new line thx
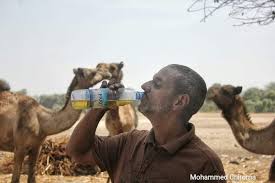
122 118
24 123
259 140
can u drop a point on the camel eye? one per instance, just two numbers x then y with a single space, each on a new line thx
225 92
80 72
112 68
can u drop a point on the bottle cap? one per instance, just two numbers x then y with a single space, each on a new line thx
139 95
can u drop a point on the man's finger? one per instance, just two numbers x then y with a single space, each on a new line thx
111 82
104 84
112 87
117 85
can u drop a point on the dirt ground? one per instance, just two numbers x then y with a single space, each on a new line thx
212 129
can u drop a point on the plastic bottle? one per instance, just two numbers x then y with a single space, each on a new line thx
104 97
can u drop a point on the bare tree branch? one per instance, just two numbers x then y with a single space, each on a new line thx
260 12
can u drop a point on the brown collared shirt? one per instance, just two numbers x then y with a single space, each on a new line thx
135 157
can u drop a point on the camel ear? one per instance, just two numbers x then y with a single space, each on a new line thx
120 65
98 65
79 72
237 90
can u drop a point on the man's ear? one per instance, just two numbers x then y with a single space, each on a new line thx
182 101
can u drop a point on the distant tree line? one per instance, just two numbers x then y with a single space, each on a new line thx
256 100
52 101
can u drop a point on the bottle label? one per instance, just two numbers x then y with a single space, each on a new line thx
139 95
100 98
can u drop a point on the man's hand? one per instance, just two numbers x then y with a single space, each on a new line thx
112 85
114 93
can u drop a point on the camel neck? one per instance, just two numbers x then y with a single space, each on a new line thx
56 122
249 135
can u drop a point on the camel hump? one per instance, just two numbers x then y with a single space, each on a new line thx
4 86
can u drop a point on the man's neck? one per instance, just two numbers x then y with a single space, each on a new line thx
168 130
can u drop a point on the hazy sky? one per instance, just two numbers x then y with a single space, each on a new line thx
42 41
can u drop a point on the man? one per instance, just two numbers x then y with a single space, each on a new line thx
170 152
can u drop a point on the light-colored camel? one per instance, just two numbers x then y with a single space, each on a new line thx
259 140
122 118
24 124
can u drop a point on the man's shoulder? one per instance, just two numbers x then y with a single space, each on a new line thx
138 134
207 153
135 138
203 148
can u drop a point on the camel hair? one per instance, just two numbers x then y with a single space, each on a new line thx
252 137
121 118
24 123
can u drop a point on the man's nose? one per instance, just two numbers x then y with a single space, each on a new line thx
146 87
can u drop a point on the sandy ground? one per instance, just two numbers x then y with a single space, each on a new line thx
212 129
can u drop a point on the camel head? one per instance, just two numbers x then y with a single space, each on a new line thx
4 86
113 68
86 77
223 96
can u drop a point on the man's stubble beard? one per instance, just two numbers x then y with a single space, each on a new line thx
149 109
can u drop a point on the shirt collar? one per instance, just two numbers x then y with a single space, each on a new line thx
172 146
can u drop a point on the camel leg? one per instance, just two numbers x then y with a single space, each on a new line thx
272 171
18 160
33 156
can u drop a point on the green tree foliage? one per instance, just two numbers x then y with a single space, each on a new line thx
250 105
270 86
254 94
208 106
52 101
22 91
55 101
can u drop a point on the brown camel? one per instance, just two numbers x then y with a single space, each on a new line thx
259 140
122 118
24 124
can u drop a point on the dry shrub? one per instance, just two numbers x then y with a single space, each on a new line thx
53 160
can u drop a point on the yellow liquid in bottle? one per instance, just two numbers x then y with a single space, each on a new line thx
81 104
84 104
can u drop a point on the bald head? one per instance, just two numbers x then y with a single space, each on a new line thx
189 82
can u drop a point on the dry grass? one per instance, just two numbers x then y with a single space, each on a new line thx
210 127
